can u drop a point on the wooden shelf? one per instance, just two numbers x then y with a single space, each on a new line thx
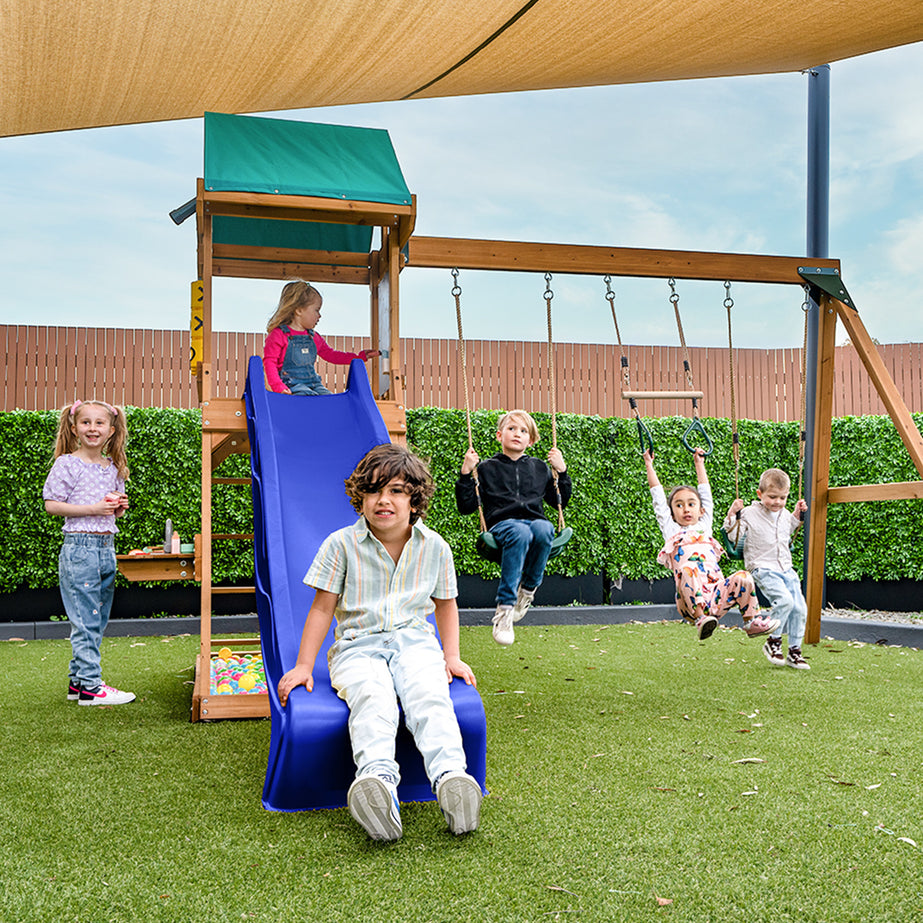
160 566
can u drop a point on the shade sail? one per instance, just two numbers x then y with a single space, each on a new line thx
89 63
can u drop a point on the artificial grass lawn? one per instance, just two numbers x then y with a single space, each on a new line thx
622 784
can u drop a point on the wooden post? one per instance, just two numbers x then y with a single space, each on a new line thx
822 426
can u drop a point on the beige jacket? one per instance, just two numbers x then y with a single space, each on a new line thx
767 536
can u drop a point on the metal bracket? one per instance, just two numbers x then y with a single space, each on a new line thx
827 280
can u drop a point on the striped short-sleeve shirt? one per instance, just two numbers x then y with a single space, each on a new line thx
375 593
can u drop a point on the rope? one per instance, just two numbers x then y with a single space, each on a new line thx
644 436
552 392
687 368
463 368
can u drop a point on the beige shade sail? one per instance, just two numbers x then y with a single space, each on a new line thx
84 63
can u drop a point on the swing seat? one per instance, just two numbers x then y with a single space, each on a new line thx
487 547
734 551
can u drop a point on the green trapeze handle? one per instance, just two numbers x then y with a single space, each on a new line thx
645 439
696 427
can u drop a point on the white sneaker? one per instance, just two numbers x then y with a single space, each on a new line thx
374 806
459 797
523 602
104 695
503 625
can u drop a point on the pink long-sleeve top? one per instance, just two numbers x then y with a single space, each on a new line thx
277 343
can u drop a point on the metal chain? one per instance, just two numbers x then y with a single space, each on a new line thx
687 368
549 294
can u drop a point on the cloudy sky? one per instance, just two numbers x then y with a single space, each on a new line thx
85 237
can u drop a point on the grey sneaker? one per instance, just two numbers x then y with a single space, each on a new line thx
503 625
459 797
374 806
773 651
523 602
706 625
795 659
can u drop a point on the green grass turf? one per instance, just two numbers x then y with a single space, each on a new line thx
623 776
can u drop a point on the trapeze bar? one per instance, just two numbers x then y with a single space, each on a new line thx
663 395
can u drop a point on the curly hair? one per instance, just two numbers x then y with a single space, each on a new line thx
384 463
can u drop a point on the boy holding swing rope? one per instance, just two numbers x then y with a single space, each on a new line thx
512 486
765 529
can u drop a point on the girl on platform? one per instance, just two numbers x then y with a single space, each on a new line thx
292 346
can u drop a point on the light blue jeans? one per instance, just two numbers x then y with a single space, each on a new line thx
783 590
370 674
299 387
526 544
86 573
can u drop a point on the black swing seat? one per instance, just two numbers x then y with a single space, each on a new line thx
487 547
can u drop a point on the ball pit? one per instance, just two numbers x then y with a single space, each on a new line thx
237 674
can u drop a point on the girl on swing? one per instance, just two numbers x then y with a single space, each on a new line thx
703 593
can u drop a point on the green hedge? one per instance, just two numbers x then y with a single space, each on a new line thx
610 512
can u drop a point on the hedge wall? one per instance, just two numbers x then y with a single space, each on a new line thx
615 530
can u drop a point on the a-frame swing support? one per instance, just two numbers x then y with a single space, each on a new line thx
834 303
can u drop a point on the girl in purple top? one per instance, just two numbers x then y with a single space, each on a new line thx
86 486
292 346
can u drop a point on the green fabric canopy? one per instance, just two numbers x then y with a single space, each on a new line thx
279 156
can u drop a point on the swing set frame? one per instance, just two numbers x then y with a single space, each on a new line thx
831 304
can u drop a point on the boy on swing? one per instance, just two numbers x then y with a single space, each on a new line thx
512 487
764 530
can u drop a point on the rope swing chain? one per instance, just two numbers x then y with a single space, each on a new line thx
552 393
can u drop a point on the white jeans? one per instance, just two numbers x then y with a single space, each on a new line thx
371 673
783 590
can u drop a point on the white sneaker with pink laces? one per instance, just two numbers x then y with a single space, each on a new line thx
761 625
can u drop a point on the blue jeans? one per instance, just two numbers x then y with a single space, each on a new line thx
86 572
371 673
783 590
299 387
525 546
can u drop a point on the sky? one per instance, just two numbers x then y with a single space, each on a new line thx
716 164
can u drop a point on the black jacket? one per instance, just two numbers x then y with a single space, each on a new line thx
511 489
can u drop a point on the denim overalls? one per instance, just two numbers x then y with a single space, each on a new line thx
297 370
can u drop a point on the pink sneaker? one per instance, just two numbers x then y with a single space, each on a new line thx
761 625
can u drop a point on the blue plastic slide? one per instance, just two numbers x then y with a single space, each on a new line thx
302 450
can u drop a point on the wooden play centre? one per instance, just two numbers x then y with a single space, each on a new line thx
283 200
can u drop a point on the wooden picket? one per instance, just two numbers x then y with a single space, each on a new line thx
48 367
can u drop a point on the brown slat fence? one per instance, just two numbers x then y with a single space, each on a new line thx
48 367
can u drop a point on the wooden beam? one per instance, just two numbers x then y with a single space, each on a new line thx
303 208
663 395
822 426
224 415
448 253
899 490
290 255
316 272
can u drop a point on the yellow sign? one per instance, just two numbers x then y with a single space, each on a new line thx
196 331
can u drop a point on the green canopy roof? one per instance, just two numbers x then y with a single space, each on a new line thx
279 156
